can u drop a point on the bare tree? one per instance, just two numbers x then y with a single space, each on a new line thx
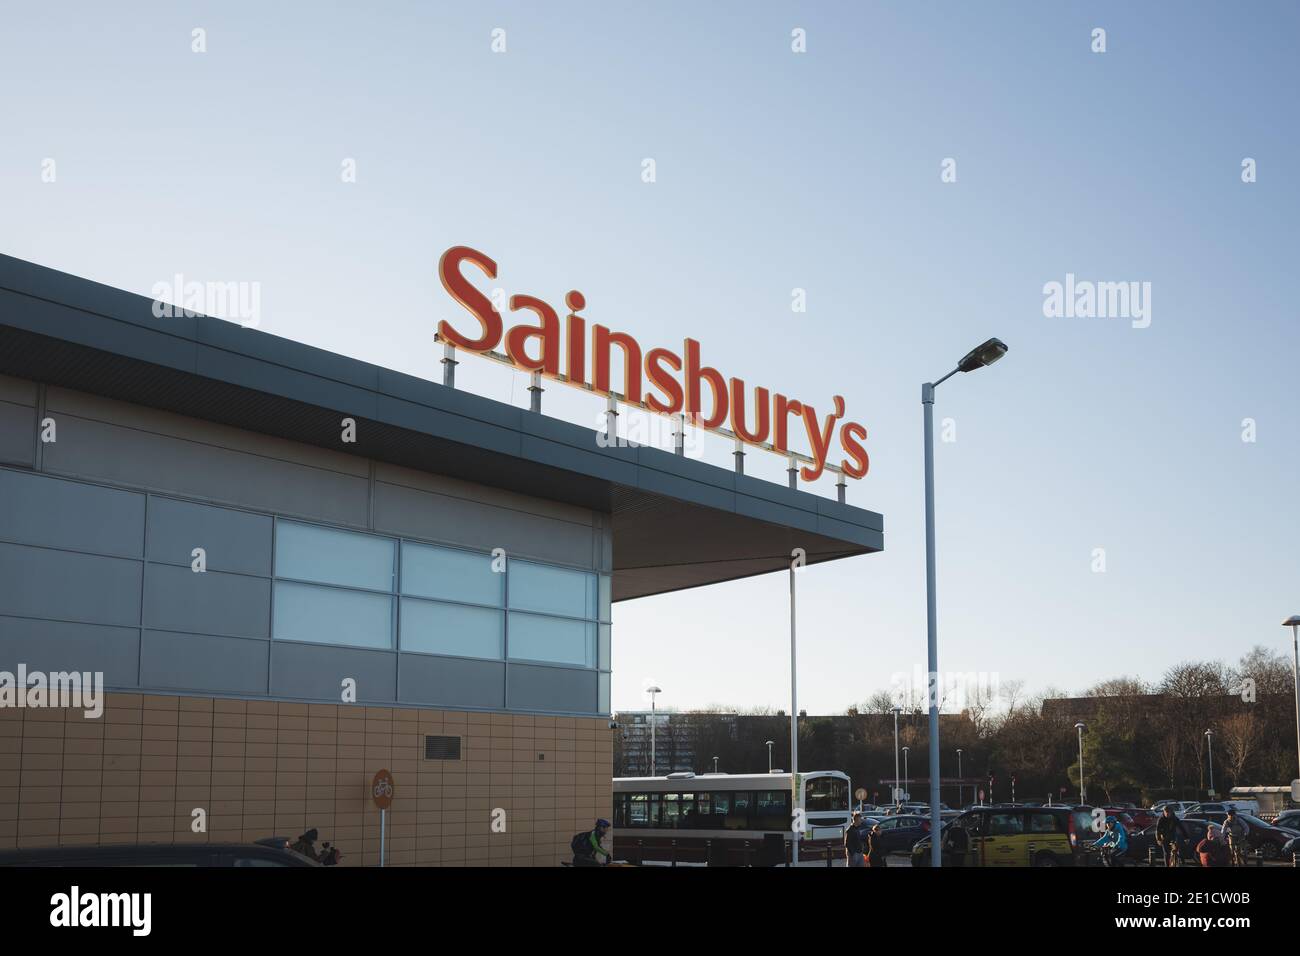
1239 734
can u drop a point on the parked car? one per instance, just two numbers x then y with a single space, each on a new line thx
1262 837
1141 817
157 854
1009 836
1289 819
900 831
1180 806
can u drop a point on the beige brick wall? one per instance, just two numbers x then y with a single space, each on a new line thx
264 768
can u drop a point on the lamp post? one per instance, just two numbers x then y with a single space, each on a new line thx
906 778
769 755
1209 743
896 784
652 690
1293 622
1083 792
958 776
978 357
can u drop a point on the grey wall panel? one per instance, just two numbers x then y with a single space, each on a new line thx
17 433
233 605
194 662
127 456
317 672
400 510
449 682
551 688
64 586
55 646
19 391
52 513
233 540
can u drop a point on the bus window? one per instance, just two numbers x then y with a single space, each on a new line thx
737 815
826 793
620 810
690 819
772 810
637 814
678 808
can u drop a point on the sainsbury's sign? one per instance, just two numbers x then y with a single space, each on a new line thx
657 379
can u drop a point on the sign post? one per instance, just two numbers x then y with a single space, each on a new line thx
381 791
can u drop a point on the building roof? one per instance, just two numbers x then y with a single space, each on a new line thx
677 523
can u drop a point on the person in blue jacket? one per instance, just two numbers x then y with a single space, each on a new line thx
1112 844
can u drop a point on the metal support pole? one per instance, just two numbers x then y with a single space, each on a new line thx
383 833
793 472
932 631
739 454
841 489
1295 677
679 434
535 387
794 720
449 364
611 422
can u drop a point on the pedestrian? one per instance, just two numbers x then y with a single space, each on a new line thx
853 854
876 846
1167 835
306 844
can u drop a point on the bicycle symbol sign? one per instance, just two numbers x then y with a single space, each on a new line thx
381 789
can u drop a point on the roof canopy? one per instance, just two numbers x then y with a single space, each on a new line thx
678 523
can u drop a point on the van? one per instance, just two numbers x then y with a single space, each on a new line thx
1011 836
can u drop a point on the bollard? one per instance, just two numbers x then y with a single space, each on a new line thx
708 852
640 852
749 854
1151 856
672 852
828 857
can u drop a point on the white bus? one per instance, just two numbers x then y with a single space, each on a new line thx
722 819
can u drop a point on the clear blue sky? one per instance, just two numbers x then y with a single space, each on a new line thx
775 170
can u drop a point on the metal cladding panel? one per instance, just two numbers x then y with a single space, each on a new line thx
51 646
196 662
452 682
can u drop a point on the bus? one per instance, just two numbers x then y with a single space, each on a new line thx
722 819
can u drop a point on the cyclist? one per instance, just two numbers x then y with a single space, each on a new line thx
1235 830
1112 844
586 846
1167 835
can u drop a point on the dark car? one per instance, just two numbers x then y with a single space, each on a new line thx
1261 837
1289 819
157 854
898 833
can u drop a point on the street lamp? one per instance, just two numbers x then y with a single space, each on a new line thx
769 755
896 784
652 690
978 357
1293 622
1209 742
959 776
906 778
1083 798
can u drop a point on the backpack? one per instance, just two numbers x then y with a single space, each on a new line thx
580 844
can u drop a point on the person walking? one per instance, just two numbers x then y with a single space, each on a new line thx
1235 831
876 847
1167 835
853 850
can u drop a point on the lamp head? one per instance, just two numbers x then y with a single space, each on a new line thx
982 355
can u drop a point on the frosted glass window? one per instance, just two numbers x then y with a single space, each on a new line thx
606 596
304 612
537 587
453 629
451 574
603 658
603 703
553 639
329 556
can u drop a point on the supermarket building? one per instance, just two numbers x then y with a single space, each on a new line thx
279 612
